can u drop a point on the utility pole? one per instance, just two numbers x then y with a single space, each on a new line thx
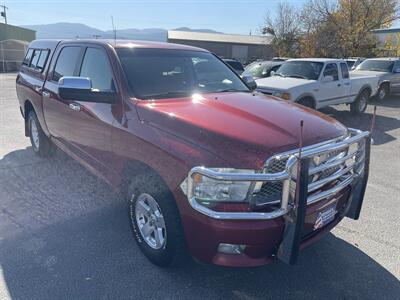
3 13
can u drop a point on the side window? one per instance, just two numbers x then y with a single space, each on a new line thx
345 71
396 65
96 66
42 60
28 57
35 58
66 62
332 70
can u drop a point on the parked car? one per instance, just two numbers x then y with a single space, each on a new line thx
262 69
386 69
319 82
235 65
207 164
353 62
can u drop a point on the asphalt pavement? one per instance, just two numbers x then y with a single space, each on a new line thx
64 234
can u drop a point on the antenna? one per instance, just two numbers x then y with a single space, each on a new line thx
299 157
114 30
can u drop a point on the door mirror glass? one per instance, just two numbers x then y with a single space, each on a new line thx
80 89
272 73
250 82
328 78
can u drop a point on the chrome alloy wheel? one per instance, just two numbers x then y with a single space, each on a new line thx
150 221
35 135
382 93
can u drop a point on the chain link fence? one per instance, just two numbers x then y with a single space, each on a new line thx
12 53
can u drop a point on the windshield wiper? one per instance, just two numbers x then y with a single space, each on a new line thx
279 74
231 90
167 95
297 76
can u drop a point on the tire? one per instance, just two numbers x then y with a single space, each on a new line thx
383 92
152 210
360 104
41 144
307 102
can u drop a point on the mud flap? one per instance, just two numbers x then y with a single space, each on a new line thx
289 248
358 186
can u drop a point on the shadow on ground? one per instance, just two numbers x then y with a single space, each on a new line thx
383 124
65 235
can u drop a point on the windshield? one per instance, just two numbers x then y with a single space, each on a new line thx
300 69
376 65
166 73
255 69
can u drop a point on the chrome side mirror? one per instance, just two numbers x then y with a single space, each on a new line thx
80 89
71 82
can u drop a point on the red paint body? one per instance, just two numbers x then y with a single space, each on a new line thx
235 130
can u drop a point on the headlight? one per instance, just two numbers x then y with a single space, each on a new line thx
206 189
283 95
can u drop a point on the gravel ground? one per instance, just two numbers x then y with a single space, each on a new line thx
65 235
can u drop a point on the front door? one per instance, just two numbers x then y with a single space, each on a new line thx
331 92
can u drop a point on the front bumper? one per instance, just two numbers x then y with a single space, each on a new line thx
279 234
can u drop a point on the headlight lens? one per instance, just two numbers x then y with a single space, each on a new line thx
283 95
206 189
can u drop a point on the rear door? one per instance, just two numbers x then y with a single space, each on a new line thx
344 70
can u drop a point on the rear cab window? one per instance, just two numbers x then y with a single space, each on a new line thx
345 70
36 59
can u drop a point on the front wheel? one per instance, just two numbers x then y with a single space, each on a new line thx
41 144
360 104
155 222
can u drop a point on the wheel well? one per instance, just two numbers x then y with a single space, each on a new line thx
136 168
307 98
385 83
28 107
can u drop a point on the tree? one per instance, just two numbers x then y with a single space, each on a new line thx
343 28
285 29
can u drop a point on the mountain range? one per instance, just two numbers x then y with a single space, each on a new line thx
72 30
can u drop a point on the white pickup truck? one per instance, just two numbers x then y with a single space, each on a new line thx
319 82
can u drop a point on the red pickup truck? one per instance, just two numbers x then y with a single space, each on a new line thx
209 166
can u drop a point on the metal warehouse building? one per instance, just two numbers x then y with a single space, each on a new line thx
13 43
242 47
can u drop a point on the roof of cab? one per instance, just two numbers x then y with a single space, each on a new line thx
116 44
317 59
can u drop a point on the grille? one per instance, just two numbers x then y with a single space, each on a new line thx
325 169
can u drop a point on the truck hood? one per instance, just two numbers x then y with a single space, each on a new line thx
243 129
281 83
367 73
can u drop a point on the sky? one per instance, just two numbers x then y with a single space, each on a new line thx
228 16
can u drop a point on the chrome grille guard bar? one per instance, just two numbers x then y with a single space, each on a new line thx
286 176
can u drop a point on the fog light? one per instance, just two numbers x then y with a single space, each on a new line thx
231 248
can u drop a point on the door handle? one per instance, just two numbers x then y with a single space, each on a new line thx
75 106
339 84
46 94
